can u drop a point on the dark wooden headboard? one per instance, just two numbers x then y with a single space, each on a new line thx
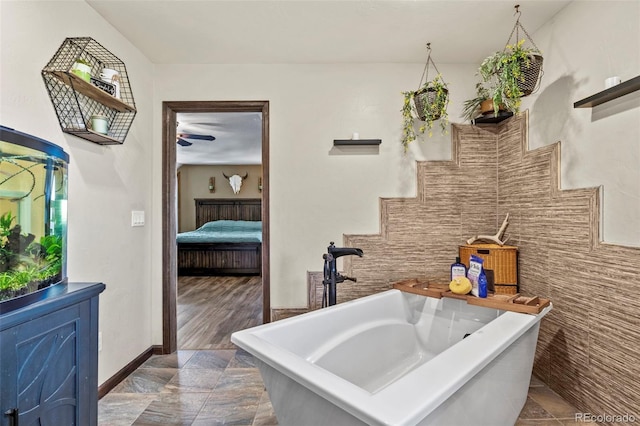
209 209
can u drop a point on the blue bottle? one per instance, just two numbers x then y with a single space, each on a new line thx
482 284
458 269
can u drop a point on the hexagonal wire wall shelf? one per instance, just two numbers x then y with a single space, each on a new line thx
76 100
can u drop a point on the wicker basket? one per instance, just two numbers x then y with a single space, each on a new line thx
425 97
531 75
505 289
502 260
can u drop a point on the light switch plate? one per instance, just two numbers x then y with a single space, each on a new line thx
137 218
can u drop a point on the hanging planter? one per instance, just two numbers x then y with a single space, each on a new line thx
514 72
531 69
428 104
430 101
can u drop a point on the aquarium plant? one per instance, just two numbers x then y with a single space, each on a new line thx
26 265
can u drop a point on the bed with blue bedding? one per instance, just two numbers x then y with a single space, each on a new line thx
224 231
228 240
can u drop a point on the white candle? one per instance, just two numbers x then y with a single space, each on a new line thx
355 136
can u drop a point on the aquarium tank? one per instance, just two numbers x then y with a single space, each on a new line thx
33 217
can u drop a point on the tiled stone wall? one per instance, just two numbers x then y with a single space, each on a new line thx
419 237
588 350
589 344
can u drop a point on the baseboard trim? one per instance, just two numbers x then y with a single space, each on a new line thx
113 381
282 313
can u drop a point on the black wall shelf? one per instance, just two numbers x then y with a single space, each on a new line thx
492 118
356 142
609 94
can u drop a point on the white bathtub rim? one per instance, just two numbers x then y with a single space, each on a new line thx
429 384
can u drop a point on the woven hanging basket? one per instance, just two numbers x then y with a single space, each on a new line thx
426 97
531 74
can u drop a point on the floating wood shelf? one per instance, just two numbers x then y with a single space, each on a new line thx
356 142
492 118
609 94
92 136
91 91
505 302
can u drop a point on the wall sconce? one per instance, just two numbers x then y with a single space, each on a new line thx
260 184
212 185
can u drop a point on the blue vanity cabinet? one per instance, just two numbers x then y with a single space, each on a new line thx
49 359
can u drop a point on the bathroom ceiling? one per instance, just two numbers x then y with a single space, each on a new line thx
310 31
319 31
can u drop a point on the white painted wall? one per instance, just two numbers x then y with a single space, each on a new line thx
584 44
317 194
105 182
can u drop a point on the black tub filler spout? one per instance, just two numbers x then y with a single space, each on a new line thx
331 275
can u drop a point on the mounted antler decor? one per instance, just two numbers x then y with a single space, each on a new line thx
497 238
236 181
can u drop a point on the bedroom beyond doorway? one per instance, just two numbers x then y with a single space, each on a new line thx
173 134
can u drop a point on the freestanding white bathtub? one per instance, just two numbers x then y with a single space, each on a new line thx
396 358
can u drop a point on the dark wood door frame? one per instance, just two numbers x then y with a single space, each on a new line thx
169 211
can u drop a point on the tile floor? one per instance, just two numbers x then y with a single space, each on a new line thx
223 387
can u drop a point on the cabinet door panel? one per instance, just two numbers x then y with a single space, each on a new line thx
47 380
8 374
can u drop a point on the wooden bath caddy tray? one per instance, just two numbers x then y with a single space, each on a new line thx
506 302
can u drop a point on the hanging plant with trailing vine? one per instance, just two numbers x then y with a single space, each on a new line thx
429 103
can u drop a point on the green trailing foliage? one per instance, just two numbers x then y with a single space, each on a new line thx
503 70
433 109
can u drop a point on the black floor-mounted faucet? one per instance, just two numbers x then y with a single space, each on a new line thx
331 275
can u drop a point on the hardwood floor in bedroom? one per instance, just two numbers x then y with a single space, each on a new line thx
209 309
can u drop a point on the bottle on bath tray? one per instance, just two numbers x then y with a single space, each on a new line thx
477 276
482 284
458 269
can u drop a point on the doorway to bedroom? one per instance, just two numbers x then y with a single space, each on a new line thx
212 288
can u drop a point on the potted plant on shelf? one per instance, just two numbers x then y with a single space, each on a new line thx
428 104
481 104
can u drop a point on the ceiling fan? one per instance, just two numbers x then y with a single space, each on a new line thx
181 138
